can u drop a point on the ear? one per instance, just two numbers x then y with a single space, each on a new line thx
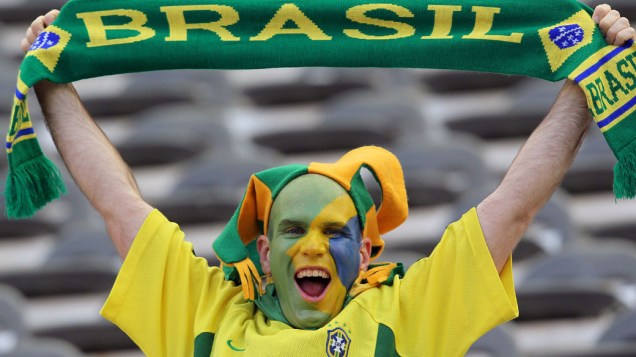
365 254
262 245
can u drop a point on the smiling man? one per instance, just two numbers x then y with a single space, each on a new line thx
310 231
317 247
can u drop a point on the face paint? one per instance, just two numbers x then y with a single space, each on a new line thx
345 254
314 249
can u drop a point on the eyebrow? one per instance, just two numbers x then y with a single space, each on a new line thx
289 222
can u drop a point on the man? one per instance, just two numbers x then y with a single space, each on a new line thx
314 232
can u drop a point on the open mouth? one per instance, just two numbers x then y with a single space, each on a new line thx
312 283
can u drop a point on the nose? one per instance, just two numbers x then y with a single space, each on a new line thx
314 245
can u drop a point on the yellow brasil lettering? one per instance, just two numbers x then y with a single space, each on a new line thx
101 34
358 14
612 85
484 18
609 89
291 12
443 22
179 27
96 28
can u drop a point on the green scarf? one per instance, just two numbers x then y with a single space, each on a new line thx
549 39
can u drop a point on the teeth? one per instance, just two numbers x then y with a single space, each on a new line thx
312 273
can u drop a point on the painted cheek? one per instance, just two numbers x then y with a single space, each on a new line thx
345 253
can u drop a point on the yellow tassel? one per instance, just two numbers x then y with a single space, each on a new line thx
371 278
249 278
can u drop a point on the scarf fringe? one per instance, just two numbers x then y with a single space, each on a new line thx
31 185
625 173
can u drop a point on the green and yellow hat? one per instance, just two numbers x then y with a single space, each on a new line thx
236 245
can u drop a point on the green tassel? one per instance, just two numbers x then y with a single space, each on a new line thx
625 174
31 185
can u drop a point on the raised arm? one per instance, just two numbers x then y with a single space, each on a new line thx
544 159
92 160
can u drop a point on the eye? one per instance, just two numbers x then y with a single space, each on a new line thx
334 232
294 231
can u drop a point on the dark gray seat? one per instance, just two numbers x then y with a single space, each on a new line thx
174 133
98 336
593 167
445 82
8 80
23 228
43 347
83 260
618 340
498 342
530 102
622 329
626 8
577 283
551 230
145 90
212 187
25 11
314 85
356 119
16 339
437 173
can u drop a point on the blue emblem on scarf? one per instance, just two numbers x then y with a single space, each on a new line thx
45 41
566 36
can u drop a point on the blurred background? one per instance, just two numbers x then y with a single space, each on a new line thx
194 137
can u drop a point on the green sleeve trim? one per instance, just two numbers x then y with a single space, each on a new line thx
203 344
385 342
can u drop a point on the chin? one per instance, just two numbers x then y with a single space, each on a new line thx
310 320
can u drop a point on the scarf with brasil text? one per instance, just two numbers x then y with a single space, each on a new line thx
549 39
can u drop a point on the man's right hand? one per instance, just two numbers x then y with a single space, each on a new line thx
37 26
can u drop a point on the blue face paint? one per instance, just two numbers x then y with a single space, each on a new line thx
345 250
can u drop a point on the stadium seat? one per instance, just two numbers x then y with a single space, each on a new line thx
90 337
446 82
577 283
8 78
25 11
212 187
83 260
626 8
593 168
498 342
367 118
618 340
43 347
174 134
438 173
149 89
530 101
314 85
551 230
16 339
23 228
12 326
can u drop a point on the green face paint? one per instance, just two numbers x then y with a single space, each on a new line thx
313 246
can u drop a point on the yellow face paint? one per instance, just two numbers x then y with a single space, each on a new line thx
314 244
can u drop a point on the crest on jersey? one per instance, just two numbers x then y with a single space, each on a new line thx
337 343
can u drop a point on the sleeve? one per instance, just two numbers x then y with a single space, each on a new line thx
161 288
449 300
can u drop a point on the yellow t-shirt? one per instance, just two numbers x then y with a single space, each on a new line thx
172 303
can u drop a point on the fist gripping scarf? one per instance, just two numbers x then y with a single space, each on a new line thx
236 245
549 39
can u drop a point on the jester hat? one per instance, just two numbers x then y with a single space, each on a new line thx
236 245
